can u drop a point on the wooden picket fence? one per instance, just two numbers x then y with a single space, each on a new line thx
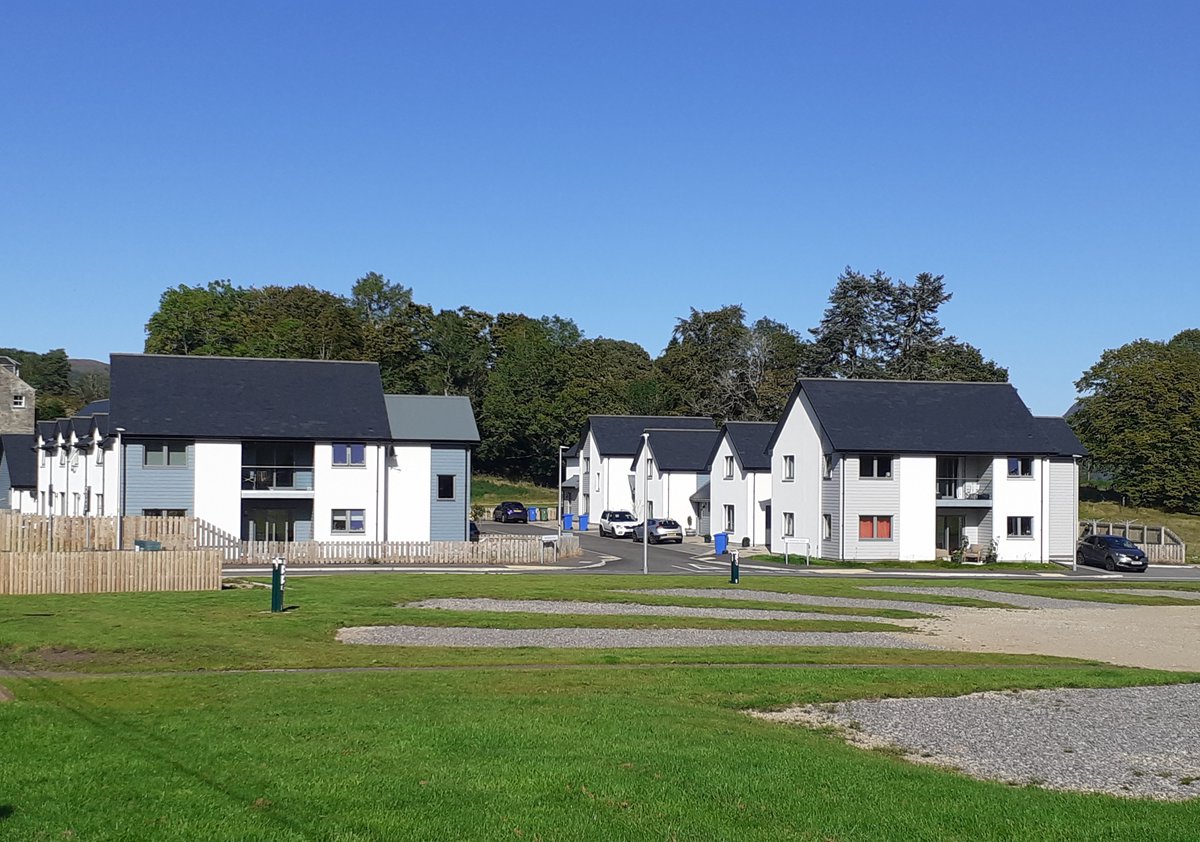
1161 545
517 549
42 533
113 571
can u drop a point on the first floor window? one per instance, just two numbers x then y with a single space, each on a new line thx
826 527
789 468
349 520
1020 466
349 453
1020 527
875 467
789 524
875 527
827 466
729 518
649 469
728 467
165 454
445 486
18 402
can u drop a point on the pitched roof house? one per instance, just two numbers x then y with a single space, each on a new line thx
669 467
868 469
739 486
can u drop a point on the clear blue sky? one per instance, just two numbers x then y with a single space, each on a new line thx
615 163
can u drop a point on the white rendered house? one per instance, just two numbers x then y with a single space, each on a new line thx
867 469
740 482
669 469
606 446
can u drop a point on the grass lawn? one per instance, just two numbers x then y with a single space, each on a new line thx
491 491
476 744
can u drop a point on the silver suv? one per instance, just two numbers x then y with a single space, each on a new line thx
617 524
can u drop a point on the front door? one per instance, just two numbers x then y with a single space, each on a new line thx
950 531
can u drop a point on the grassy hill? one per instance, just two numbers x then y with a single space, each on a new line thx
1186 526
489 491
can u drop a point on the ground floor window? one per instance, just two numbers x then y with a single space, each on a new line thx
826 527
348 520
729 518
445 486
789 524
1020 527
164 512
875 527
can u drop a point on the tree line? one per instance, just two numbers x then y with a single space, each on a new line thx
534 381
60 391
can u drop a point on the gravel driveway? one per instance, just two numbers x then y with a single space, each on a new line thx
582 638
1018 600
799 598
1134 741
548 606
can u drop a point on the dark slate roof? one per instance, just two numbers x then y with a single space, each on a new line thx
431 418
621 435
905 416
18 451
681 450
82 427
1061 437
246 398
94 407
48 430
572 451
702 494
749 440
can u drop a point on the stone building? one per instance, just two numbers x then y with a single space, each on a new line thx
16 399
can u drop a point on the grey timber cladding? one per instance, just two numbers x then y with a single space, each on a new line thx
871 497
157 487
233 397
1064 508
448 518
831 502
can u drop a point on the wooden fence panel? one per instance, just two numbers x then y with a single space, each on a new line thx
109 571
1161 545
489 550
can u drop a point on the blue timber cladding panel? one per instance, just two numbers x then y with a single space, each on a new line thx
448 518
158 487
5 482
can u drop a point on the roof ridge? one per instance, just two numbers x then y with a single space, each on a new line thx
258 359
892 380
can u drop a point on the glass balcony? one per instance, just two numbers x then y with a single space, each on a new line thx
964 491
277 478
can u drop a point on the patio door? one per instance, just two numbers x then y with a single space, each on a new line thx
950 530
947 477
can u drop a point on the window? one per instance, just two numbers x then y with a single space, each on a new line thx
62 456
789 524
587 465
99 454
826 527
164 512
445 486
1020 527
649 469
1021 466
99 505
875 467
349 454
827 466
728 467
789 468
729 521
348 520
18 402
875 527
165 454
649 509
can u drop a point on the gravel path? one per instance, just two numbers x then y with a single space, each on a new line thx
1154 592
546 606
1019 600
580 638
1135 741
798 598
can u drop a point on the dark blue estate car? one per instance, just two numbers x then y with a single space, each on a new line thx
510 513
1112 552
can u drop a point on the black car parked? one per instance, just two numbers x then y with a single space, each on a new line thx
510 513
1112 552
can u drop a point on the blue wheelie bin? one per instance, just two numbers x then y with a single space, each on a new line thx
583 522
568 520
721 542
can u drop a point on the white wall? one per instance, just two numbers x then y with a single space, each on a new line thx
1016 497
409 479
349 487
797 436
917 520
218 492
747 492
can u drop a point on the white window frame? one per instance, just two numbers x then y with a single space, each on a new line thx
347 518
874 461
826 527
649 468
789 467
728 467
1020 522
827 466
348 462
18 402
730 518
1016 466
789 524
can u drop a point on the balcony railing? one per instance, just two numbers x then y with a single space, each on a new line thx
964 488
277 478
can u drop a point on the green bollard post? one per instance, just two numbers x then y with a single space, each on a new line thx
278 582
734 571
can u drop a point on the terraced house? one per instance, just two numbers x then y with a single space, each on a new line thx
866 469
287 450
